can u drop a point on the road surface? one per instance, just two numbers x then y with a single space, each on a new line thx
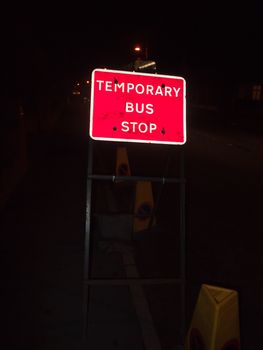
43 228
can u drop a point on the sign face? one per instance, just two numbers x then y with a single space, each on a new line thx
137 107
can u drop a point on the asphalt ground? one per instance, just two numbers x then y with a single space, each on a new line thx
43 233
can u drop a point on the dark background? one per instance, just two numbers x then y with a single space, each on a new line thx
45 50
52 44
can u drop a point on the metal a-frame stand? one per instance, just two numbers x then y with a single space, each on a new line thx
88 281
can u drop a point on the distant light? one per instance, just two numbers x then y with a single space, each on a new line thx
87 82
147 64
137 48
78 84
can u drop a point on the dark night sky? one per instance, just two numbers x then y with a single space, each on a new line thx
68 41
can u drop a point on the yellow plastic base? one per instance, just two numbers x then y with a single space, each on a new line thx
215 321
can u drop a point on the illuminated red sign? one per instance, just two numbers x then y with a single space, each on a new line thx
137 107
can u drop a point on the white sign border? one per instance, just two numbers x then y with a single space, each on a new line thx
135 140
